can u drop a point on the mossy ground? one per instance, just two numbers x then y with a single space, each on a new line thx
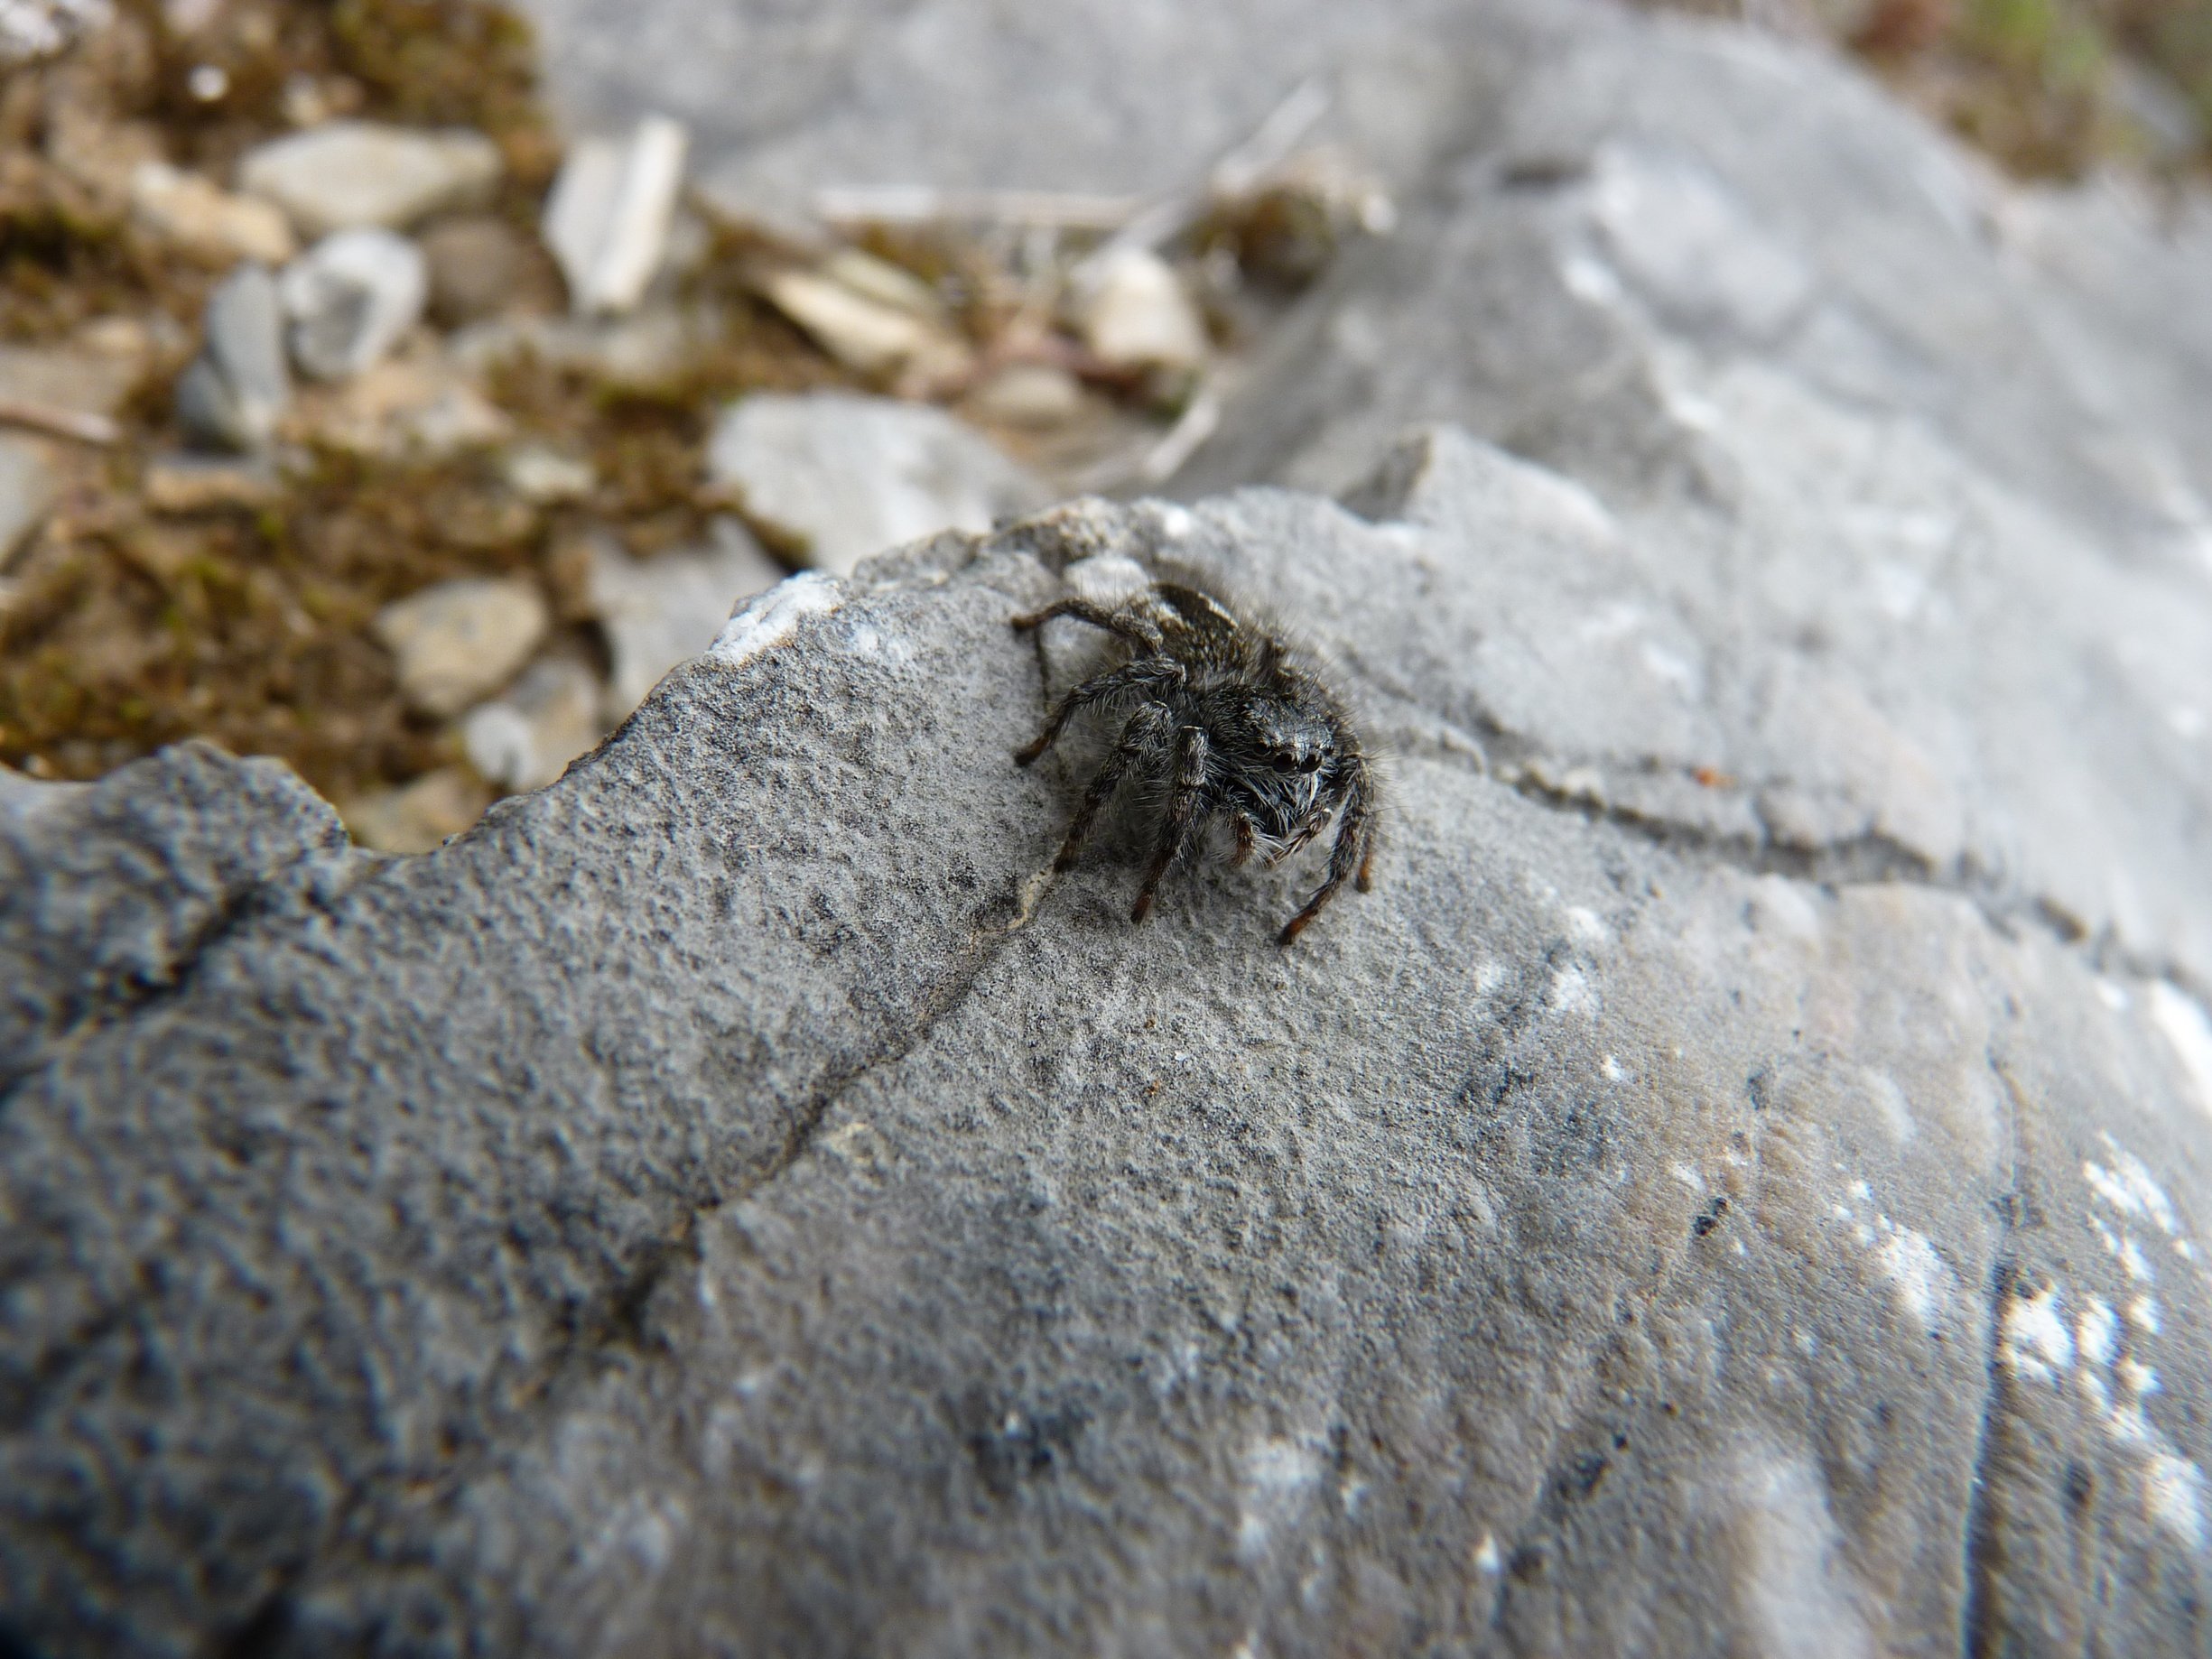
125 628
122 629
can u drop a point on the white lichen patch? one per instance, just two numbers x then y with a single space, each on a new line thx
1583 924
1572 992
1917 1275
1919 1280
2034 1341
1793 1586
2174 1497
1278 1475
2096 1332
770 618
1486 1557
865 639
2183 1024
2126 1184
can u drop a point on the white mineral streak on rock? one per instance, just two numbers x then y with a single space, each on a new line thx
770 620
608 219
2034 1339
1794 1590
2183 1022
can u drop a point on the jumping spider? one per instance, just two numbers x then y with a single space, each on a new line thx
1232 723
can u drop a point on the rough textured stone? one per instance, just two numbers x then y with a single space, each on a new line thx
841 477
1740 1183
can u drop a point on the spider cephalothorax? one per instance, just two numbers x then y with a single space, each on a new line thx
1224 720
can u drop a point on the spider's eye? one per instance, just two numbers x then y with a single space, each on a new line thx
1288 763
1312 763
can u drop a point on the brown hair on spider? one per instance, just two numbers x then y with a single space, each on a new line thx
1226 720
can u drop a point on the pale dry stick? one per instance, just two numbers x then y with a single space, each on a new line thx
59 422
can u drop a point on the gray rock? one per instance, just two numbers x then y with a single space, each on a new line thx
1809 349
31 29
349 298
1740 1183
526 737
196 215
475 263
842 476
421 815
459 640
1133 311
608 219
657 613
347 175
1588 1229
1136 100
236 390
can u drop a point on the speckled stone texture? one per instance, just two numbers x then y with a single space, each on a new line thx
1740 1183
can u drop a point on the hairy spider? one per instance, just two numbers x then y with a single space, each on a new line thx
1228 722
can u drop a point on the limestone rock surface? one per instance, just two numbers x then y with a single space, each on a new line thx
1741 1183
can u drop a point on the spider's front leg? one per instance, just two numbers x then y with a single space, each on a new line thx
1355 850
1149 676
1182 821
1139 631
